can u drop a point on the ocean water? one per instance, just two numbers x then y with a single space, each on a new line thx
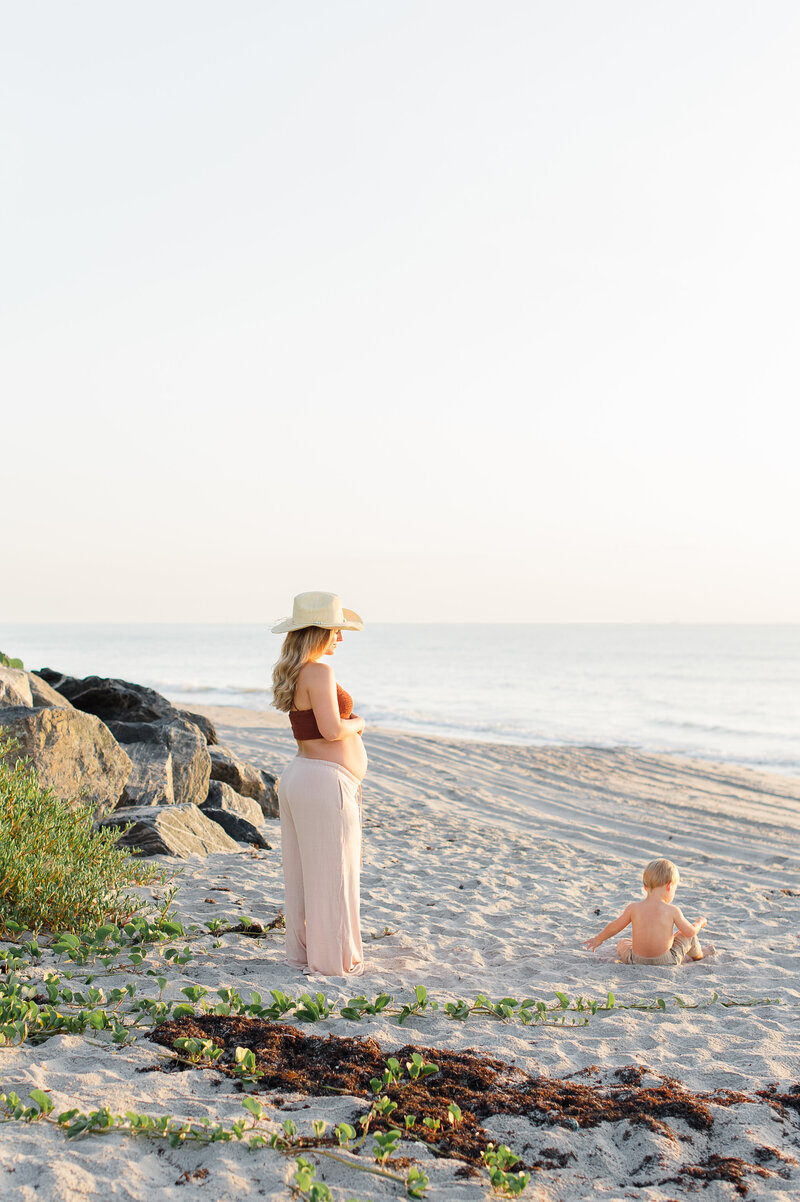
720 692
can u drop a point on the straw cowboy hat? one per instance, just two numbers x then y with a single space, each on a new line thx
319 609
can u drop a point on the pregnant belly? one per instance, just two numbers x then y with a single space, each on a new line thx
348 752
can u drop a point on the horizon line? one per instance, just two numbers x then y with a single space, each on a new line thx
406 622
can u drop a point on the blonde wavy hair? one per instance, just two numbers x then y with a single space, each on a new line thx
300 647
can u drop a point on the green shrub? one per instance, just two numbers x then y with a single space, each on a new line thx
57 872
6 662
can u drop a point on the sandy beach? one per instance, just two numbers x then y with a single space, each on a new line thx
485 867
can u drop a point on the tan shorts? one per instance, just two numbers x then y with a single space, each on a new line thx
682 946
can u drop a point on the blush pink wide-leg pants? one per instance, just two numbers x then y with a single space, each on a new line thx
321 843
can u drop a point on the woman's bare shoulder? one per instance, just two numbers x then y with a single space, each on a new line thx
315 673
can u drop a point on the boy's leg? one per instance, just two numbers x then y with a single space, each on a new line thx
694 951
686 947
624 949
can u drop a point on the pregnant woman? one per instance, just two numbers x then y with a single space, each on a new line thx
320 791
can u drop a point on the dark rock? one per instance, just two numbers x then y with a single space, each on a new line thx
189 759
205 725
110 699
139 732
14 687
223 797
74 753
245 779
240 816
45 694
238 828
179 830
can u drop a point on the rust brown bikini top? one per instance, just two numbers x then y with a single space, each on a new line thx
304 724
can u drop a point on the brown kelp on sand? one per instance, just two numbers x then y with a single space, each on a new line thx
444 1103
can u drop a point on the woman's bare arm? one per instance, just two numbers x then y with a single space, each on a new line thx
320 684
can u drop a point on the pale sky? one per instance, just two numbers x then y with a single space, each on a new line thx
467 311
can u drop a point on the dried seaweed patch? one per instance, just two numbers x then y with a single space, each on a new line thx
630 1075
480 1086
252 929
732 1169
781 1100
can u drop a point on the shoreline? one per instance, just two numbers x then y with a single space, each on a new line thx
488 865
243 717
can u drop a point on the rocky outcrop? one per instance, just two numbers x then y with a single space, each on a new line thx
203 724
110 699
240 816
178 830
150 782
44 693
14 687
75 754
246 780
128 750
168 746
190 763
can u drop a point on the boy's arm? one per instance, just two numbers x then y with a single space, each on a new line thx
613 928
684 926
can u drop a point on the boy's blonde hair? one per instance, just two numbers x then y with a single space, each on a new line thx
660 872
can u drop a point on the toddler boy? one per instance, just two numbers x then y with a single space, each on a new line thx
652 921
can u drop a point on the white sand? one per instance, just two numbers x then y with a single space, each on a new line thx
489 863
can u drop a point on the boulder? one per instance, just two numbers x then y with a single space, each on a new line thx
245 779
110 699
75 754
205 725
240 816
44 693
150 782
14 687
179 830
190 761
